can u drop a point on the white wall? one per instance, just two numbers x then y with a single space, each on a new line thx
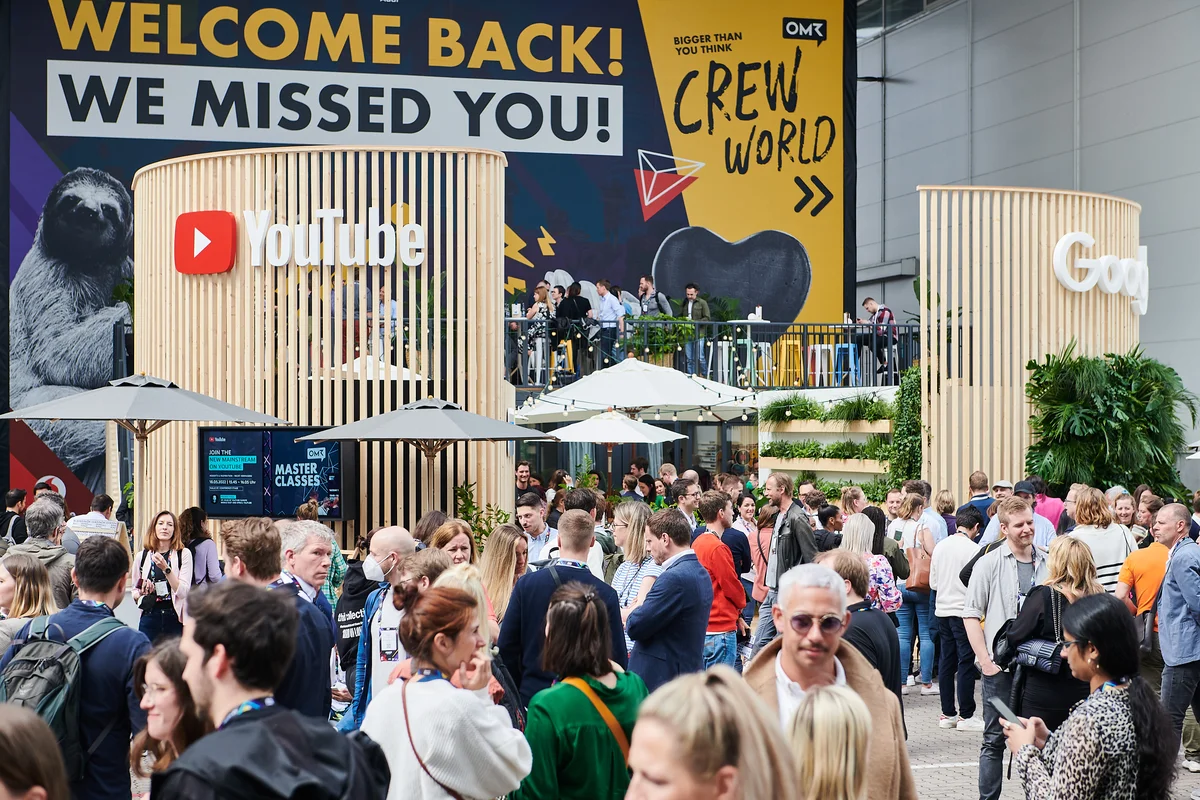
987 92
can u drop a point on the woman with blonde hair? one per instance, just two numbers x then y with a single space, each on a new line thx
707 735
829 742
25 593
943 504
456 538
858 536
1045 687
637 573
505 559
853 500
1109 542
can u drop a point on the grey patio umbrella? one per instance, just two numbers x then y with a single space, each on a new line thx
141 404
430 425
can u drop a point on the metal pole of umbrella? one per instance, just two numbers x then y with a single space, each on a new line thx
609 445
140 429
430 448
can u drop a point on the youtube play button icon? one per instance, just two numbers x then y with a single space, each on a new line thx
205 242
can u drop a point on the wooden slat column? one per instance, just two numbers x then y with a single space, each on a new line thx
285 340
991 303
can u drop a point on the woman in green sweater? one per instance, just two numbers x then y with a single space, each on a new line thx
579 728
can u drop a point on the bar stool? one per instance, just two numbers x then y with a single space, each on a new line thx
790 359
764 366
845 360
820 364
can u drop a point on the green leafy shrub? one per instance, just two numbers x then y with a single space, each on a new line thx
845 449
786 409
907 429
878 448
1107 421
860 407
482 520
781 448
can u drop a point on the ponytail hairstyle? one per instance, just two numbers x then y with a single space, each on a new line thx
1102 621
578 641
829 736
308 510
717 721
438 610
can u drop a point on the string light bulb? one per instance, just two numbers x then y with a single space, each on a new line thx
744 417
700 416
658 415
674 418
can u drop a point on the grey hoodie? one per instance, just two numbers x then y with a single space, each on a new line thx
57 561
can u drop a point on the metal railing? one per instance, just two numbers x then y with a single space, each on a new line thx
745 353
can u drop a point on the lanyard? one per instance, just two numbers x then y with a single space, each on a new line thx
96 604
427 674
566 562
249 705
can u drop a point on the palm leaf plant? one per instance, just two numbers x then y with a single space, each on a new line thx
1107 421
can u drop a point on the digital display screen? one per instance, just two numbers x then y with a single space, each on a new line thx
247 472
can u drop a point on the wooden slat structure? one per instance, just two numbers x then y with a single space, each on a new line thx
990 303
286 340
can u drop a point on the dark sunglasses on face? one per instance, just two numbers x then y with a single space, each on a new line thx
829 624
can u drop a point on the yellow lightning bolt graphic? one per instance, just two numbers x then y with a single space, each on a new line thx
544 242
513 244
514 285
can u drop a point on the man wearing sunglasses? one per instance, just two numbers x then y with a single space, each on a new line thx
811 613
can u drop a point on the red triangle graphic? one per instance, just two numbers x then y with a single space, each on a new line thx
650 183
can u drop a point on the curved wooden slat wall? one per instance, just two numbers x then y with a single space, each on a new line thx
242 336
987 267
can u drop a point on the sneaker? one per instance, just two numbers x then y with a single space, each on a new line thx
912 680
948 722
1191 765
929 689
971 724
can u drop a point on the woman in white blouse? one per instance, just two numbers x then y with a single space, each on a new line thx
636 574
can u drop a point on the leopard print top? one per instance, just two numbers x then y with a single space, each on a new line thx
1092 756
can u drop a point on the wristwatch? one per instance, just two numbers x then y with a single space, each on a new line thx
167 571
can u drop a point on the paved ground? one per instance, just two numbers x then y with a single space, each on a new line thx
946 762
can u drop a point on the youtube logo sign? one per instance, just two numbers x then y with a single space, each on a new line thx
205 242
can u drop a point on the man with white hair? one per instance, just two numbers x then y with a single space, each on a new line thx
810 611
307 553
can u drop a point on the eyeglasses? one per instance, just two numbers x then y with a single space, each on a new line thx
1073 643
829 624
151 691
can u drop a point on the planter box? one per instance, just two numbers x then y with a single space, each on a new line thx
848 465
883 426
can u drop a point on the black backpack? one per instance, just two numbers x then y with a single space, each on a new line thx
44 676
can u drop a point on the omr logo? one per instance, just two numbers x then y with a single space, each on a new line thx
205 242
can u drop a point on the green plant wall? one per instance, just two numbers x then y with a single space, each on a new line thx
907 429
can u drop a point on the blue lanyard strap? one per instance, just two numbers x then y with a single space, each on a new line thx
249 705
566 562
96 604
429 675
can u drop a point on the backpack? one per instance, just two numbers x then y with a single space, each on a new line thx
44 676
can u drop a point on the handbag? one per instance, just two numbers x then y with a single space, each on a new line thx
918 566
413 745
1042 654
1145 622
605 714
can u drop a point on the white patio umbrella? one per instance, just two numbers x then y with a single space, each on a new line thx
430 425
613 428
141 404
634 386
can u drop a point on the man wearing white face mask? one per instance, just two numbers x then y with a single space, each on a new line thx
379 647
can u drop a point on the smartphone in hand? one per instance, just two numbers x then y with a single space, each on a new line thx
1007 712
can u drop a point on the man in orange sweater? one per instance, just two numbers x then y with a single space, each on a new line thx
729 597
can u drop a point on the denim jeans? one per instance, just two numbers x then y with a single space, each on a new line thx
1181 689
608 347
690 351
748 611
159 623
916 615
991 752
766 632
1151 669
958 660
720 648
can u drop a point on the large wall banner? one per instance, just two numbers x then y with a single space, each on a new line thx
699 141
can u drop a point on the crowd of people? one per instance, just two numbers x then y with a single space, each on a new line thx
695 636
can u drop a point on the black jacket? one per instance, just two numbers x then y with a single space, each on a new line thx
348 616
277 753
19 533
796 544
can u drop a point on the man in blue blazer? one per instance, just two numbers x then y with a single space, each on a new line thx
523 631
668 628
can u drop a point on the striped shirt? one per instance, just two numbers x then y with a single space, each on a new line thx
627 582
